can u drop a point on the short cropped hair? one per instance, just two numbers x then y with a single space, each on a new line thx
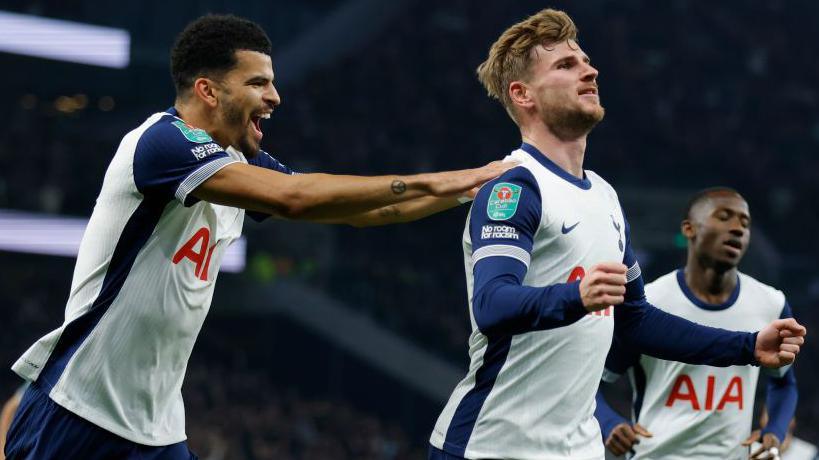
207 47
510 57
704 194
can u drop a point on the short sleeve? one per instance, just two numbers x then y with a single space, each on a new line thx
505 217
172 159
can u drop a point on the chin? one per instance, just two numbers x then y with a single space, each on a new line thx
596 113
726 264
249 149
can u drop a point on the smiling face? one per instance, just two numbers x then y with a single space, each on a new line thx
562 90
718 229
246 95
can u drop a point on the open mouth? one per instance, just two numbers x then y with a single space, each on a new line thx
256 121
735 245
591 91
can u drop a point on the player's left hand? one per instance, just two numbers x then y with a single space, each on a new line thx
769 448
777 344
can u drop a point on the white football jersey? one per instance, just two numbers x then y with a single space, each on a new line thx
700 412
142 285
532 395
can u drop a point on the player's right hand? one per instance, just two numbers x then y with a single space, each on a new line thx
778 343
624 436
603 286
459 183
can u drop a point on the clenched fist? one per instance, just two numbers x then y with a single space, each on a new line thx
603 286
778 343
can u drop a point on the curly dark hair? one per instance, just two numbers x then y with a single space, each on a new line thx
208 45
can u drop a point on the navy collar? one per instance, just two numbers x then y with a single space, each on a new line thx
583 183
696 301
173 112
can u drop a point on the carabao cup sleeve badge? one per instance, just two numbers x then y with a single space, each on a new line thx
503 201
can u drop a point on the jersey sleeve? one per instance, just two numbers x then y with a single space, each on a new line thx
606 416
504 219
782 394
265 160
172 159
649 330
621 357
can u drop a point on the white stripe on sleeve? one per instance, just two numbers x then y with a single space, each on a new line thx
504 250
202 174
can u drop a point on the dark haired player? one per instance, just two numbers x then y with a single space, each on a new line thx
107 383
683 411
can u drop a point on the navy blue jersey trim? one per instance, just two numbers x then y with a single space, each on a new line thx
437 454
704 305
463 421
583 183
639 390
137 230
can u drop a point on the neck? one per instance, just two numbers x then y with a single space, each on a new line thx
198 117
566 153
709 284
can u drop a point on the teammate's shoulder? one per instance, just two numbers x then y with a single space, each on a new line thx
519 173
266 160
516 183
169 128
597 179
168 132
663 284
760 290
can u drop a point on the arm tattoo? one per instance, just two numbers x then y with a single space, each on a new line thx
389 211
398 187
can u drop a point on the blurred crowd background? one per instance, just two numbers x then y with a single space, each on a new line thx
697 94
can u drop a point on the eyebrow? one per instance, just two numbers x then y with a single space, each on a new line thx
258 79
739 213
573 57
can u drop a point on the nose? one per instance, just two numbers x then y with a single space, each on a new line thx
272 97
589 73
737 229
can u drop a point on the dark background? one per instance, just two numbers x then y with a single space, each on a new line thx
697 94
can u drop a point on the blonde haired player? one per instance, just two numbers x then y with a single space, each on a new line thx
547 253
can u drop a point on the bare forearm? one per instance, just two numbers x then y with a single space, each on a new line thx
307 196
407 211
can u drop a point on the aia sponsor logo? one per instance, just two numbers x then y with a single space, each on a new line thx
683 392
198 251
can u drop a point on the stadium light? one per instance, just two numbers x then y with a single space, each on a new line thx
64 40
60 236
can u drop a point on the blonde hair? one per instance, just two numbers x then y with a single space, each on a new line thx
510 56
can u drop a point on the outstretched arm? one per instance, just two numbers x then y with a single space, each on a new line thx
326 196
